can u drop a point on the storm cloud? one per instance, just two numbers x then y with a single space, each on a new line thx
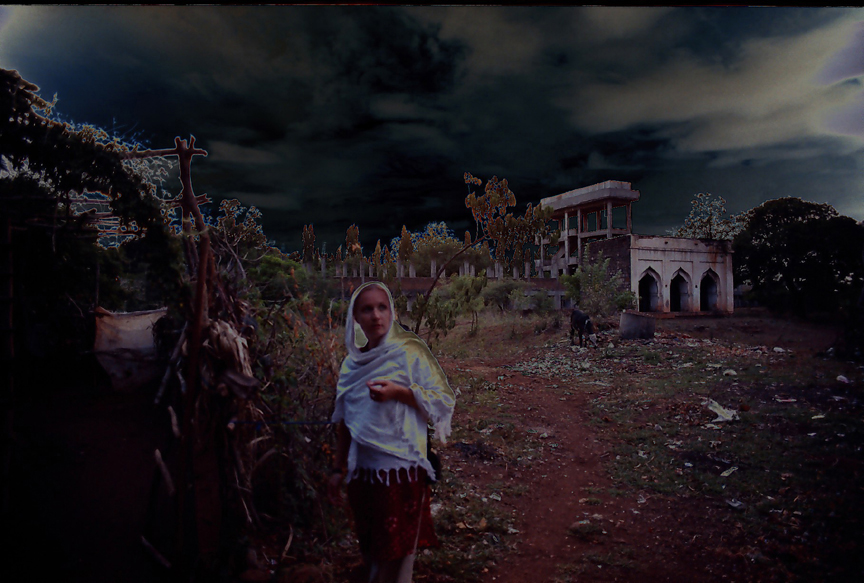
333 115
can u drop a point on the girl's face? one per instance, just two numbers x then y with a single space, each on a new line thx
372 312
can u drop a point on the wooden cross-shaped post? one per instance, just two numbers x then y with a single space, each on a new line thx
189 206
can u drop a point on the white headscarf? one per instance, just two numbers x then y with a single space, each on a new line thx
392 428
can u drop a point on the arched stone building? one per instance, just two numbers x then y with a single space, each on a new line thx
667 274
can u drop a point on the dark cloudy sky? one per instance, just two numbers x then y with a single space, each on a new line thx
329 115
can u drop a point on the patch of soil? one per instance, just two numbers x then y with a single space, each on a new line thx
647 533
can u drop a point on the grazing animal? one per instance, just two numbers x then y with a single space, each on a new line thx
580 322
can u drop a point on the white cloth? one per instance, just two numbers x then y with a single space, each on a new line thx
390 435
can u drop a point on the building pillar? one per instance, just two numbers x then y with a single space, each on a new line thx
608 219
527 271
629 218
412 271
567 237
579 236
433 268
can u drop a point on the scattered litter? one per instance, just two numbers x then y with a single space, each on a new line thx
736 504
778 349
713 365
711 426
722 414
688 465
729 472
843 379
686 365
511 530
780 399
729 373
818 417
641 499
495 497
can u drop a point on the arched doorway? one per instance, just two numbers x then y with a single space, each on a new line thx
708 292
679 294
649 292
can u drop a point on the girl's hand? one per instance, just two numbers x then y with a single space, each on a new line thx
384 390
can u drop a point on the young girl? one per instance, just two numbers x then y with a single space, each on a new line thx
390 386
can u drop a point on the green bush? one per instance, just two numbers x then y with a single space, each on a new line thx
595 291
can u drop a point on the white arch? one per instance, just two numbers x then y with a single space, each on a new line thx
709 294
685 296
652 300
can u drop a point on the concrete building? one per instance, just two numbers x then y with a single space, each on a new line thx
667 274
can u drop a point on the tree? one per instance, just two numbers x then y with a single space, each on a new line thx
308 244
800 256
404 248
494 225
595 290
466 292
69 189
353 250
501 293
708 220
437 243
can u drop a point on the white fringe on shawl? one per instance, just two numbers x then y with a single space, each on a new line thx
391 435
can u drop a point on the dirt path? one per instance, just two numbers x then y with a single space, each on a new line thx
574 521
571 487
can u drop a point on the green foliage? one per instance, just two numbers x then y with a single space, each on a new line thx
501 293
49 169
438 313
276 277
595 290
800 256
708 220
466 292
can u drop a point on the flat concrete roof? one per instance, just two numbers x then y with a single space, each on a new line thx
611 189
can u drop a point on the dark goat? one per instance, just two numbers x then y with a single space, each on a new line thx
580 322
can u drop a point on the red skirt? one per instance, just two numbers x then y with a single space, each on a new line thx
388 518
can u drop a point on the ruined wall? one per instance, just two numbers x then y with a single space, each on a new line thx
617 250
